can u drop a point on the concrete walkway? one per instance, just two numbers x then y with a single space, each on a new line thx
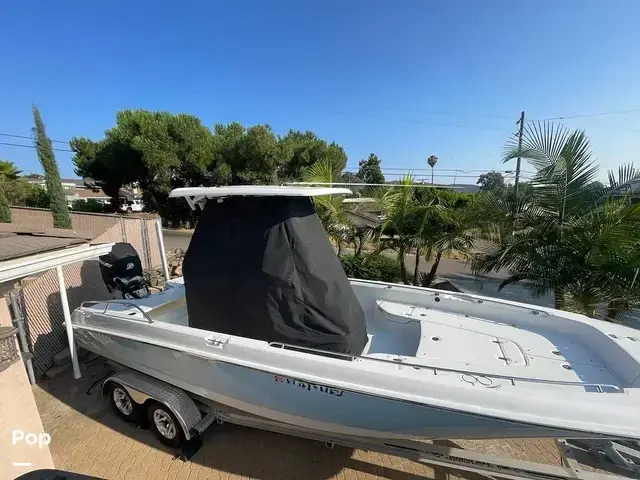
18 413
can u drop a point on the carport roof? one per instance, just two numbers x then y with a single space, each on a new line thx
19 241
27 250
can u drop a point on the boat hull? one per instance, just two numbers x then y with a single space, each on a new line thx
311 405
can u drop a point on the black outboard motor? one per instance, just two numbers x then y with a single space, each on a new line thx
121 271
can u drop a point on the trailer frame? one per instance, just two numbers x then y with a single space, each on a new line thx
195 414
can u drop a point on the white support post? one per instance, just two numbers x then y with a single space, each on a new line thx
67 322
163 254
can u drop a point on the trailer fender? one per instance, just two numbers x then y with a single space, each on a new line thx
143 388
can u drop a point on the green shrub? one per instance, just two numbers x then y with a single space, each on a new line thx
372 267
5 211
90 206
19 192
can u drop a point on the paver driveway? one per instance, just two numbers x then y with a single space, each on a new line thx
88 438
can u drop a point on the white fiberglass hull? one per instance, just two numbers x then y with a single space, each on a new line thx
289 400
374 396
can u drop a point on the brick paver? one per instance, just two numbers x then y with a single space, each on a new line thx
88 438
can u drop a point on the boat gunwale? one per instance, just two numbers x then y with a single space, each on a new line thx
566 430
398 360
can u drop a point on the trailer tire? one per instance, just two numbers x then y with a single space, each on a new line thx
122 402
165 425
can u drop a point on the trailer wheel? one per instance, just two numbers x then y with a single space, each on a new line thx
165 425
122 402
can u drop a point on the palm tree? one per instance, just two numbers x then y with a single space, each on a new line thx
407 214
626 173
8 170
610 241
330 208
432 160
556 240
402 221
449 230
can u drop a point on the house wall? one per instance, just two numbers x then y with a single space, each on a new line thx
40 297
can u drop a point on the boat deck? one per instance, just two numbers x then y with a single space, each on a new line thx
535 353
459 342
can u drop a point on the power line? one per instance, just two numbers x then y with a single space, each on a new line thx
415 121
453 175
418 185
437 113
502 139
13 135
584 115
375 108
428 122
407 169
604 128
33 146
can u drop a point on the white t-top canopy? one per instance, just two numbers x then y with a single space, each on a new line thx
198 195
257 191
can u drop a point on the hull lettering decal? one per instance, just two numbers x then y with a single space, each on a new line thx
308 386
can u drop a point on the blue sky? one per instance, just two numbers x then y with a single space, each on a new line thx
402 79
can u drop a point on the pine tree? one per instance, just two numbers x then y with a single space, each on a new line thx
59 207
370 170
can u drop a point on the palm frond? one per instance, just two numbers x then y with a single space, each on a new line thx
542 144
626 173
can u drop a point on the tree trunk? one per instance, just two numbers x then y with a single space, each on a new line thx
358 242
559 298
378 239
339 245
432 272
416 269
613 309
403 266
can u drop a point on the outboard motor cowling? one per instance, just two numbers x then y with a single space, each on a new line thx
121 271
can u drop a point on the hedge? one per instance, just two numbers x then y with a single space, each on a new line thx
372 267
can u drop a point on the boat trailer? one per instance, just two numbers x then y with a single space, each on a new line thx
179 419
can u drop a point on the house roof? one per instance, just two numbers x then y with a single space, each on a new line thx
629 186
40 178
89 193
363 220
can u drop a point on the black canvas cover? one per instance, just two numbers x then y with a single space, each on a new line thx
263 268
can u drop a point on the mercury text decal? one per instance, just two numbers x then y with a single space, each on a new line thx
308 386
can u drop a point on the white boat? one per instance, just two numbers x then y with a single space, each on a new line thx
432 364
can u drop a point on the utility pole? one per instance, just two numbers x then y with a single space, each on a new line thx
517 182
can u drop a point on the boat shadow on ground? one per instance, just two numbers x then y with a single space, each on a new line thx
71 410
